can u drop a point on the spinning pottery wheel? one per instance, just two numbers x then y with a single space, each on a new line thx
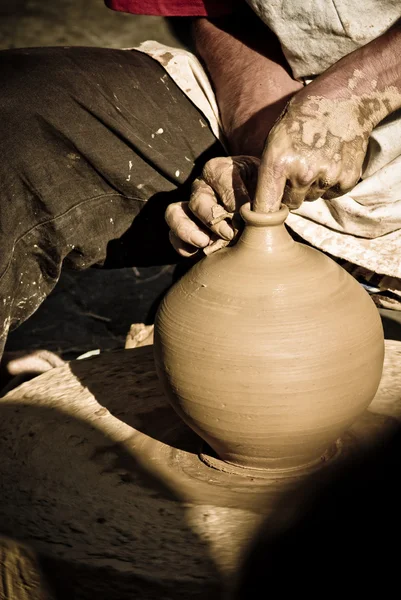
106 493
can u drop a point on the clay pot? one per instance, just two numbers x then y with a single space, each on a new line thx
268 349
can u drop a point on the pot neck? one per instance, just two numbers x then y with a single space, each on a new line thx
265 230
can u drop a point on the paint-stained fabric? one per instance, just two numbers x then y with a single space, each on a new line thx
88 166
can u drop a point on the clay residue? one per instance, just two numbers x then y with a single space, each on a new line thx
318 146
344 118
165 58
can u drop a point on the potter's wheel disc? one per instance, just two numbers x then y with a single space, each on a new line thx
98 471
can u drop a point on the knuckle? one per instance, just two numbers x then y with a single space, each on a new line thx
195 203
199 191
197 186
349 181
314 193
304 174
215 165
325 182
170 213
305 179
228 199
326 178
181 231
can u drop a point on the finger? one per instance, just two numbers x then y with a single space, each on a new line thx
248 167
314 193
271 184
185 250
332 179
327 178
184 227
38 361
328 181
349 180
294 196
204 205
333 192
342 187
224 176
301 174
319 187
214 246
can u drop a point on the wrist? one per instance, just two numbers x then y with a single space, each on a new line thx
246 132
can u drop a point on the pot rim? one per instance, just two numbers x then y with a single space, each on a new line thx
258 219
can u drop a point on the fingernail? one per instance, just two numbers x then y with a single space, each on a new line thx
225 231
199 239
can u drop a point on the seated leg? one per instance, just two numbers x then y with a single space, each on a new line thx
94 144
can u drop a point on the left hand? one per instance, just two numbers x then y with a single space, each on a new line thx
207 220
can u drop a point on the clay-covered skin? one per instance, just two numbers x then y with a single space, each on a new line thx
226 183
318 146
268 349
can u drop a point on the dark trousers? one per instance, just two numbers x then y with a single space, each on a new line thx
94 144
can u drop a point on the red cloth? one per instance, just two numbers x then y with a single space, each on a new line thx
174 8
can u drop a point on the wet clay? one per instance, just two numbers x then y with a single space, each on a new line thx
268 349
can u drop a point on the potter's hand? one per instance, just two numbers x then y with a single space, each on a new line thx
207 220
318 146
315 150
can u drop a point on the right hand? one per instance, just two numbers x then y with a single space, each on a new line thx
226 183
315 150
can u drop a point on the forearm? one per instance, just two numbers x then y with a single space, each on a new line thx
245 64
368 80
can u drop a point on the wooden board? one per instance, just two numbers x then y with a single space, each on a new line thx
104 494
